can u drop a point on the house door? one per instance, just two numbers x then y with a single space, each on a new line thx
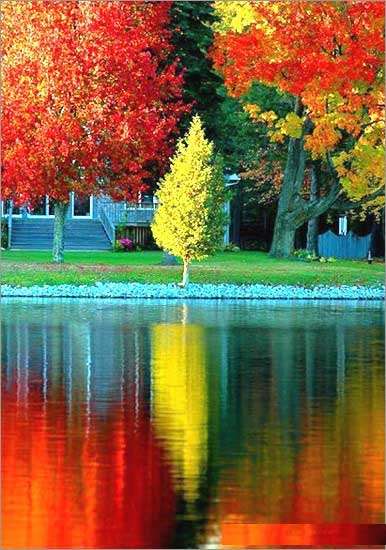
81 207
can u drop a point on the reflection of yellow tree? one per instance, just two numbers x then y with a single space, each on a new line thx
180 409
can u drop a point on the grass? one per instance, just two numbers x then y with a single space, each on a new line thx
26 268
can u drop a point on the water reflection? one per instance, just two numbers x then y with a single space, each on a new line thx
152 425
180 401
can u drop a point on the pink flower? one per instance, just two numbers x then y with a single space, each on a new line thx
127 244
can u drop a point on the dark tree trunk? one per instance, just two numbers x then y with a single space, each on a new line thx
313 223
60 211
377 244
285 224
293 211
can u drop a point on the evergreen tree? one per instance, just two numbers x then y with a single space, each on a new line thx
191 25
225 121
189 223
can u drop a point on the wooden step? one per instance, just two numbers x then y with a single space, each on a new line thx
37 234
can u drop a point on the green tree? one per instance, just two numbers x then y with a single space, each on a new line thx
192 37
189 223
226 123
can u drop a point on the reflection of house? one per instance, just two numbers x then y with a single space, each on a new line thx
65 353
91 222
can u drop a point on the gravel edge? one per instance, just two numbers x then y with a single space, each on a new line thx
198 291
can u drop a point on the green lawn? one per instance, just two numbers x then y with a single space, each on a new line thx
34 267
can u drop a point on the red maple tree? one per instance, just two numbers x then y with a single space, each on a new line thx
329 56
90 100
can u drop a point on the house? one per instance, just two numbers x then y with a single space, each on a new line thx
91 222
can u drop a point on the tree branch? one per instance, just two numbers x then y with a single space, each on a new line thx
306 210
345 205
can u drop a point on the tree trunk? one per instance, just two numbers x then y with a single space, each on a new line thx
283 239
60 211
313 236
376 238
293 211
10 214
185 275
169 259
313 223
285 225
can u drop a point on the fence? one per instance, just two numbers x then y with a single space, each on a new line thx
344 246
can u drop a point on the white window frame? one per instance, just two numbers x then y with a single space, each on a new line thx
4 214
47 211
72 207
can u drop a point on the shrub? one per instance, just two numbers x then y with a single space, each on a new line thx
4 233
305 256
117 246
124 245
127 244
120 231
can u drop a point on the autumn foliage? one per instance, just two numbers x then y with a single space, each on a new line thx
90 102
330 56
189 222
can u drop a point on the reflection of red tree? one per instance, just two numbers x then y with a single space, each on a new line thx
68 484
335 476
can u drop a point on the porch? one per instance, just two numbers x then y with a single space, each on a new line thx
90 225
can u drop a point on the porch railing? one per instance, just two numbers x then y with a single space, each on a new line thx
10 217
108 225
128 213
141 214
113 210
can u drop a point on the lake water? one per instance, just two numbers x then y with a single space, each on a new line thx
155 424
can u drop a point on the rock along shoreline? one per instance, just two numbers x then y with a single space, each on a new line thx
198 291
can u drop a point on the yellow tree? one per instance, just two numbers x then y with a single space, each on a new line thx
189 222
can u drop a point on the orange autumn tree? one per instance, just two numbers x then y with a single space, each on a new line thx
90 100
328 58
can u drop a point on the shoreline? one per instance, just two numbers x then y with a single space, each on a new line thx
198 291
